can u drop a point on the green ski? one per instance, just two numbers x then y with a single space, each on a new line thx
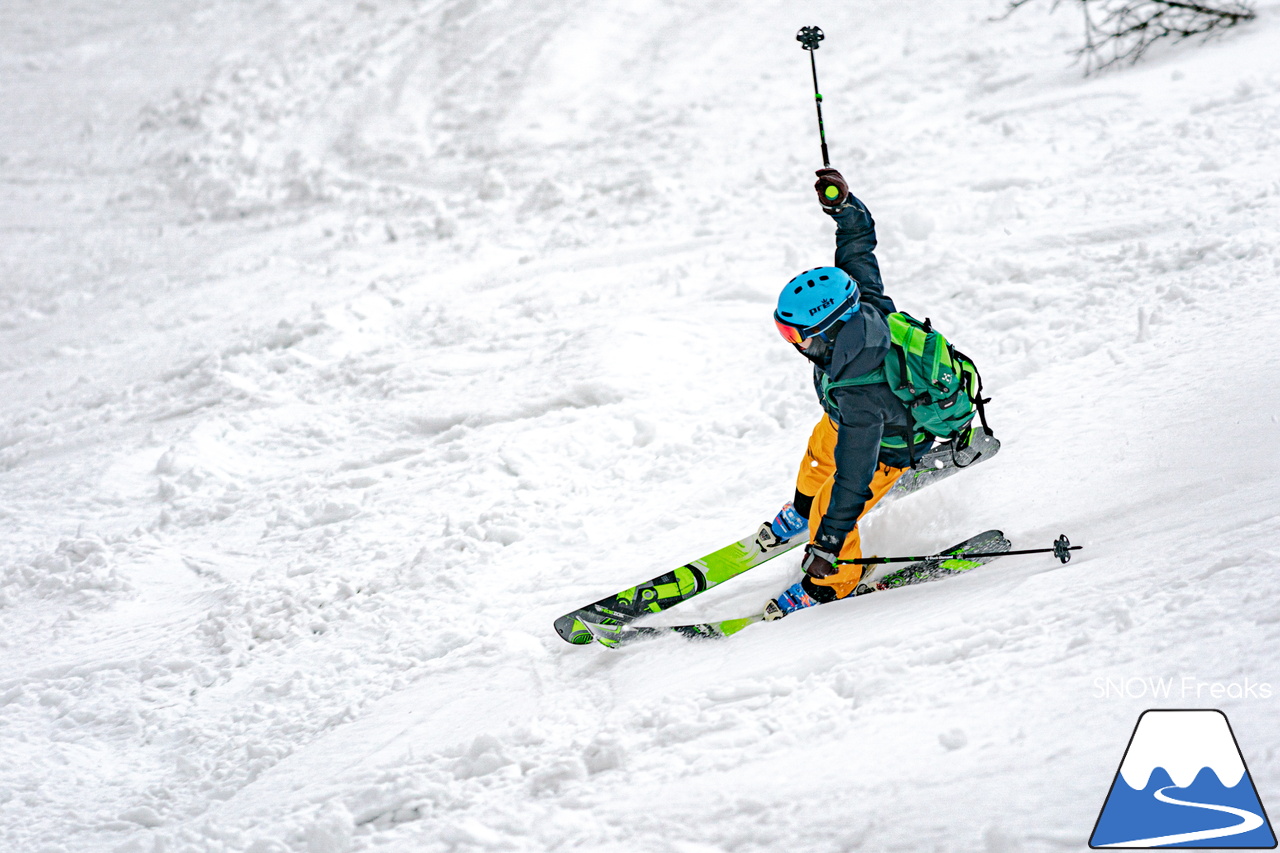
990 542
670 589
691 579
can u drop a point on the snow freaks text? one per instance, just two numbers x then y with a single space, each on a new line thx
1182 687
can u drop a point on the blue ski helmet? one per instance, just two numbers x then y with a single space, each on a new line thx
814 301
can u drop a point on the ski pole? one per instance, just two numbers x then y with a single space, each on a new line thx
809 38
1061 549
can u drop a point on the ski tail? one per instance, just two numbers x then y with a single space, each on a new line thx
946 460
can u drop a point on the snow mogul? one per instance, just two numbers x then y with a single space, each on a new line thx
889 386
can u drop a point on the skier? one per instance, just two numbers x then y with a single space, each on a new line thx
835 317
889 385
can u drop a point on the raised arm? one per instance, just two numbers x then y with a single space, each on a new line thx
855 252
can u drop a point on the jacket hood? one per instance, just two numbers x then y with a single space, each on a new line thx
861 345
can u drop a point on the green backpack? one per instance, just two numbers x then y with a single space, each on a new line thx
939 385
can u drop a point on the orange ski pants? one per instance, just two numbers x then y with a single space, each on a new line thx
816 477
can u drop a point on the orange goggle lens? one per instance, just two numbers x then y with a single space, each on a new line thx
790 334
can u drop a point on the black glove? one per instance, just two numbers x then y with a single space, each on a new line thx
833 192
817 562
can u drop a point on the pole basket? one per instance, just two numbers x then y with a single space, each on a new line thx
809 37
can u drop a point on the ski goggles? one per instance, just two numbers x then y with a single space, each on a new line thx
795 334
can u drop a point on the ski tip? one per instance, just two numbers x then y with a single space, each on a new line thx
573 630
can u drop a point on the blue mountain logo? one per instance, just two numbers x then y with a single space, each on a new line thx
1183 783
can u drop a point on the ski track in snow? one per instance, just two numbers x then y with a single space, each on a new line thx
343 347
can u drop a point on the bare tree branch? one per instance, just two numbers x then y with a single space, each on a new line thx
1015 5
1122 31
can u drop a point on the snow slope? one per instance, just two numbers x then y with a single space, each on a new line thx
342 348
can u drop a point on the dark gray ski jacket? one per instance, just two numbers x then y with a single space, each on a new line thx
864 414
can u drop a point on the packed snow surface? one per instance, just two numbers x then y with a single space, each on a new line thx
343 346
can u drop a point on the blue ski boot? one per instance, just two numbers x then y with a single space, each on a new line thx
787 524
793 598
